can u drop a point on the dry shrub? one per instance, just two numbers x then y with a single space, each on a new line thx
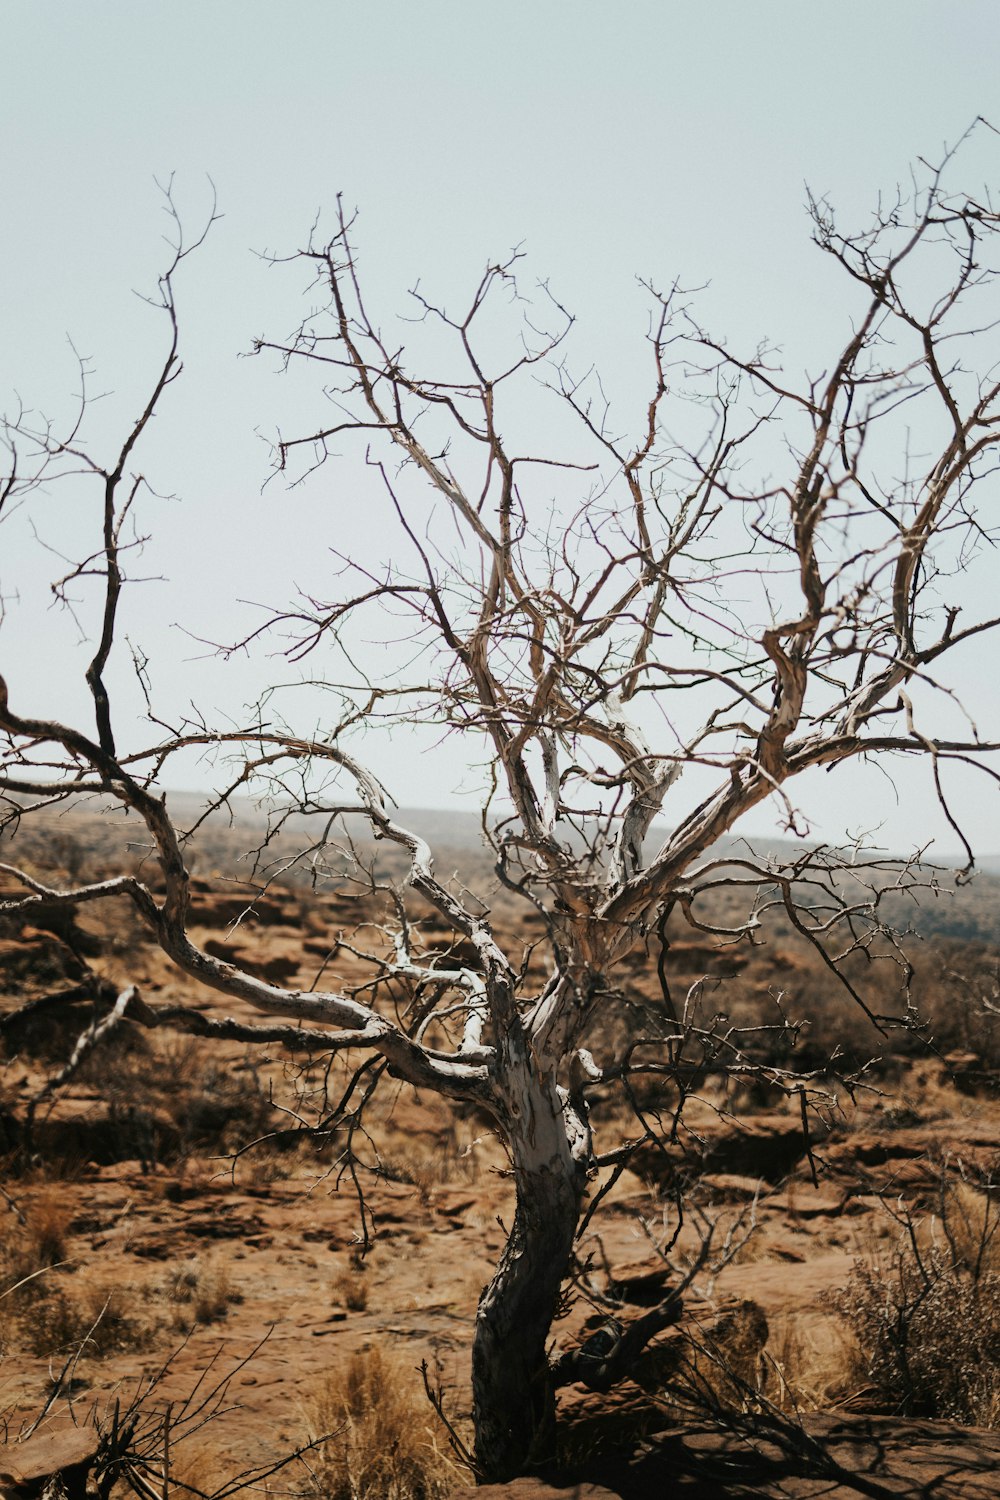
199 1469
926 1315
719 1369
171 1098
45 1313
351 1287
384 1442
201 1294
95 1321
226 1105
269 1163
43 1310
744 1363
454 1159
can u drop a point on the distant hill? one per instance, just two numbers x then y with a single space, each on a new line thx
458 828
969 912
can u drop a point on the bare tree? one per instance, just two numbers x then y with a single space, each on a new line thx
747 580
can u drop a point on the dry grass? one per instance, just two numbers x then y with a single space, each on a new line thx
200 1293
719 1369
94 1320
745 1363
199 1468
811 1370
385 1441
926 1312
43 1310
457 1158
723 1368
269 1163
350 1287
34 1307
48 1308
35 1237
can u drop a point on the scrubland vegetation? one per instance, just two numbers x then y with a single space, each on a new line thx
907 1323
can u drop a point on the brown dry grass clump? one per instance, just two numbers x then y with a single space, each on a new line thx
350 1286
200 1293
385 1440
719 1368
34 1239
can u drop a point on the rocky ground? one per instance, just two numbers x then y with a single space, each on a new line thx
176 1268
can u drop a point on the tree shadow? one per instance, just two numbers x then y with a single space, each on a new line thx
823 1456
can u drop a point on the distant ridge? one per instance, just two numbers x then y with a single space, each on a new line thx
937 905
461 830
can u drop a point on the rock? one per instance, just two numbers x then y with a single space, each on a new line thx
641 1286
213 908
834 1457
967 1072
277 968
800 1200
872 1149
26 1469
731 1187
762 1146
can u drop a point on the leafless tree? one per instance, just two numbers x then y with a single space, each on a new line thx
748 579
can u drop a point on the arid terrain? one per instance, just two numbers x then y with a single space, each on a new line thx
183 1235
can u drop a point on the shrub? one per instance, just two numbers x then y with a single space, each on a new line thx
95 1321
351 1288
202 1294
721 1368
927 1315
34 1239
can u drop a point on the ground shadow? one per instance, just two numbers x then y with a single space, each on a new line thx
829 1457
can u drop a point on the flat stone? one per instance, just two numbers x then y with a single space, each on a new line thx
800 1200
734 1187
23 1465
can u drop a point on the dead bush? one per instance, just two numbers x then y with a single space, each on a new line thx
384 1442
926 1314
169 1100
44 1312
96 1321
351 1288
454 1158
201 1294
225 1105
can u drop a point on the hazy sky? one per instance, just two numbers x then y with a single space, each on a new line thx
654 139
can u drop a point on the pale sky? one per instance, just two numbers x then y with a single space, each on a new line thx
644 139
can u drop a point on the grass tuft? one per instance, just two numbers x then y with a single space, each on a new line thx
384 1442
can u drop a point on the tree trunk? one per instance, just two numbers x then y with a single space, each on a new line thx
513 1400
